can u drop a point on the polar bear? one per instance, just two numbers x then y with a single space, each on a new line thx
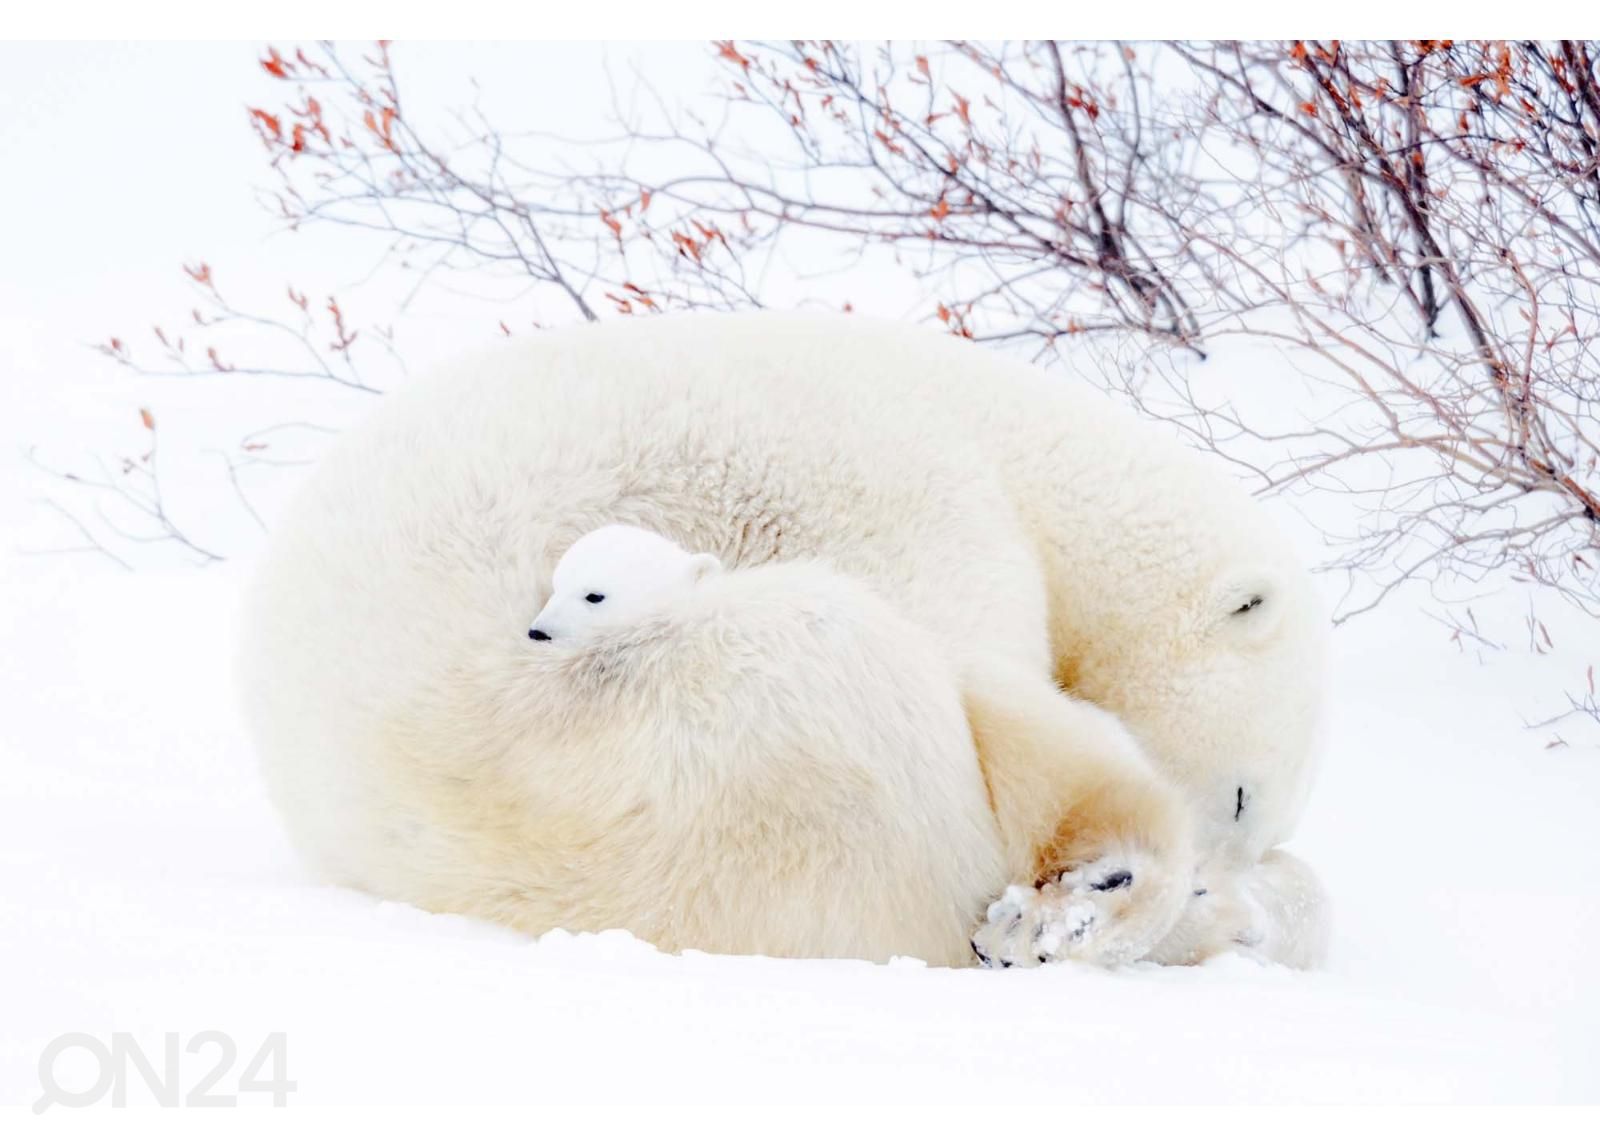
1126 632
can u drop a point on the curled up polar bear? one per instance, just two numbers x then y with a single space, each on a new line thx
951 627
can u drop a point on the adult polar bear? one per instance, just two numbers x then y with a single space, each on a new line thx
1042 537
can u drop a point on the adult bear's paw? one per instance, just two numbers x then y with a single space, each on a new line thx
1108 912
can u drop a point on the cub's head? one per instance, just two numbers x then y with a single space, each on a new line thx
616 575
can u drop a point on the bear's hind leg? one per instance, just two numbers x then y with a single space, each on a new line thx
1097 843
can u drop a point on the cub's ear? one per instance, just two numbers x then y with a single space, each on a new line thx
702 565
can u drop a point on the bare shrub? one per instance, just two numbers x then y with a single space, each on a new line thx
1415 226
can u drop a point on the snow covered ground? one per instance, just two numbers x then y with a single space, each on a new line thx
146 888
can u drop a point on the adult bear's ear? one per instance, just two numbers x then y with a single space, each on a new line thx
702 565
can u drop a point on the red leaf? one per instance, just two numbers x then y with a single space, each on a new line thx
270 122
726 51
275 64
686 245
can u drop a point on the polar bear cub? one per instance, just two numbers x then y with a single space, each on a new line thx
613 576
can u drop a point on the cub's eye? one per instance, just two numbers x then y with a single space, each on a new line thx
1253 602
595 597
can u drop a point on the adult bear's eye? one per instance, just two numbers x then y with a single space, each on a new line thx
595 597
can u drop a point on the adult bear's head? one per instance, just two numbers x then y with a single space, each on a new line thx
1206 635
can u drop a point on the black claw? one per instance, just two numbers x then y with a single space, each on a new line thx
1005 964
1112 881
982 957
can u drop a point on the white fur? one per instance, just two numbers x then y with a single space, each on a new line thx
1000 517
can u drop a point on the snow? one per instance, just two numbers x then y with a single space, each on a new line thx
146 886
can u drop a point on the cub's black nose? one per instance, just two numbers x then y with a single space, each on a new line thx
537 634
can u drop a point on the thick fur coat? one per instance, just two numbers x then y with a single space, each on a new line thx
1065 653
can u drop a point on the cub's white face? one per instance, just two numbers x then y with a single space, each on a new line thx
616 575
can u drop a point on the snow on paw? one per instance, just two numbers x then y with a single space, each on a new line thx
1027 926
1107 912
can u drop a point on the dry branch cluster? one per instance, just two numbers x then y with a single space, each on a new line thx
1414 225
